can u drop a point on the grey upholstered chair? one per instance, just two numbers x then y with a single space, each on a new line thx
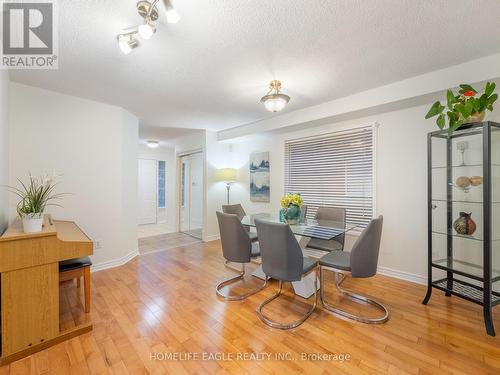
282 260
236 248
331 214
303 213
361 262
237 209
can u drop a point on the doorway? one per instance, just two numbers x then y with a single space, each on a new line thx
152 194
191 186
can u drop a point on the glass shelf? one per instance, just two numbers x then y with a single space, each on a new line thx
462 236
460 267
462 201
466 166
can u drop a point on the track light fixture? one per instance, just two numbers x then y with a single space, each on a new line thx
127 42
127 39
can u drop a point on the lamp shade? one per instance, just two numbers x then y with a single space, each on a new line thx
226 174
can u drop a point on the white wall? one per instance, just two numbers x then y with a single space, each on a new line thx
94 146
401 182
4 147
166 153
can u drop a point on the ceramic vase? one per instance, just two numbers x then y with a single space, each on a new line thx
464 224
292 214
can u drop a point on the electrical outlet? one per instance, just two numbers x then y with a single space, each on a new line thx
97 244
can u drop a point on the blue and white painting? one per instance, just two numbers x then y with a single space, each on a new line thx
259 177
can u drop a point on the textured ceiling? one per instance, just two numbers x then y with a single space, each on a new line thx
167 135
210 70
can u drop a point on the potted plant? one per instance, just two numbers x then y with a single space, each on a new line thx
35 196
291 208
465 107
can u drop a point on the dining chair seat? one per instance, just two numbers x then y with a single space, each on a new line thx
337 259
331 245
308 265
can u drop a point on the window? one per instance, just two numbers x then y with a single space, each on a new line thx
161 184
335 170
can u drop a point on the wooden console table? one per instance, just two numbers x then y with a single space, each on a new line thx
29 267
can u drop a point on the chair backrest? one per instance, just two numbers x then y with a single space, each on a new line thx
236 245
281 254
332 214
303 213
364 253
235 209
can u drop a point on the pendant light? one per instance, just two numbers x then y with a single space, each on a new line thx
275 101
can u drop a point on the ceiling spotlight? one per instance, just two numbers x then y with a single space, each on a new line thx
127 43
152 144
171 12
274 101
146 31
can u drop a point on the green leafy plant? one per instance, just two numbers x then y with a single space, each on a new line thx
35 195
462 106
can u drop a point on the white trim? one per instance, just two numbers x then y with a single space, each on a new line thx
116 262
213 237
411 277
375 136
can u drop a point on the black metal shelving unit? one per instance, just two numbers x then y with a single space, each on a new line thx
469 279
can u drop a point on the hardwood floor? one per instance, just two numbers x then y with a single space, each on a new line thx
164 302
165 242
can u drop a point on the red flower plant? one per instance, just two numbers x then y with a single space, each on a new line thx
469 93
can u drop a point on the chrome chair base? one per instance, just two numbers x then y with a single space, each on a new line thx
295 323
232 280
339 279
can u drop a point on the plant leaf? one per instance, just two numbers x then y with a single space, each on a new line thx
490 87
467 111
451 99
435 110
492 99
440 121
465 87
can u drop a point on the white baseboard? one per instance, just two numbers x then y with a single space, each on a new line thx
418 279
115 262
214 237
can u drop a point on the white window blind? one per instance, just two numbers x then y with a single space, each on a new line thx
333 170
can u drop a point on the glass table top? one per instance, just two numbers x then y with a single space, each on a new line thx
320 229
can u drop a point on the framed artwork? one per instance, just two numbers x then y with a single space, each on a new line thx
259 177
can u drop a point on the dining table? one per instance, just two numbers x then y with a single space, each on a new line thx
306 227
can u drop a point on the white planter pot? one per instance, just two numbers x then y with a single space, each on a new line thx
32 223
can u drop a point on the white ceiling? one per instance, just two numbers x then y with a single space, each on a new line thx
210 70
166 135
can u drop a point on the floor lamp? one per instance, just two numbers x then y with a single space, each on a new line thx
227 175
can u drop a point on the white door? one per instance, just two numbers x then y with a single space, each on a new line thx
147 191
